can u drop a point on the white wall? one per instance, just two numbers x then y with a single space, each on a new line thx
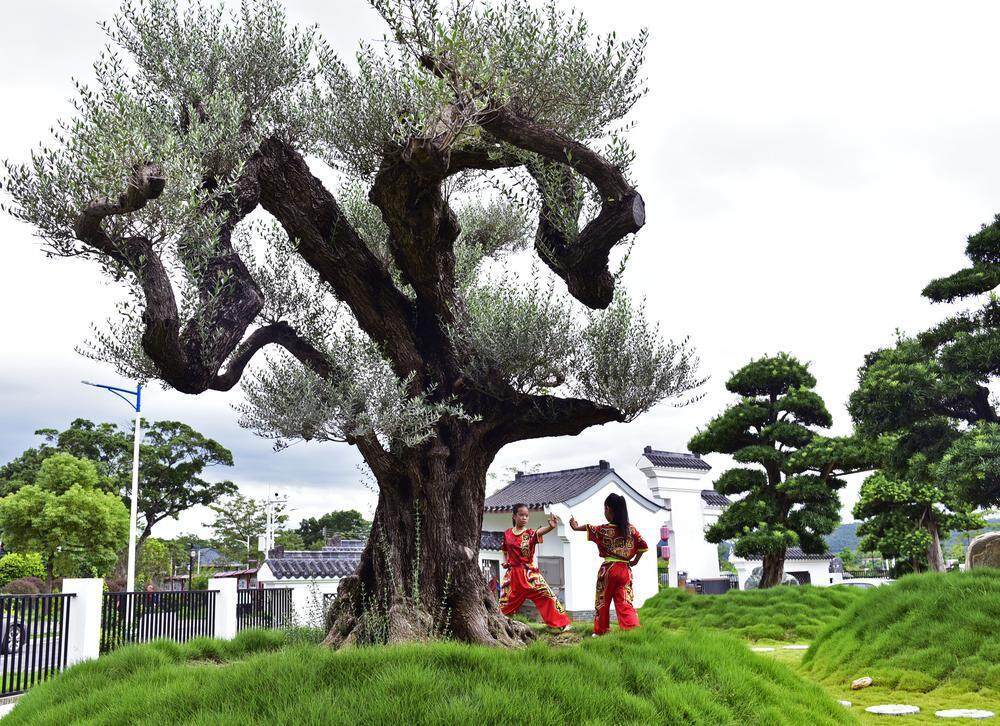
819 571
307 594
680 489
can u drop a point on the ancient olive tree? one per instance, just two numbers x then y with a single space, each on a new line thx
392 295
790 476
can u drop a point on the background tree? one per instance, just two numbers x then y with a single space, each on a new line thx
77 528
15 565
239 520
153 562
344 523
390 325
172 458
927 403
790 485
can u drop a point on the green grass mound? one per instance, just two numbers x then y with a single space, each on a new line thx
922 633
778 613
646 676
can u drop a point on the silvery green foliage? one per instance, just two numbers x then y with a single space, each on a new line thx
536 339
197 89
623 362
285 401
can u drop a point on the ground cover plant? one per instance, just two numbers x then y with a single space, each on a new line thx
644 676
928 632
784 613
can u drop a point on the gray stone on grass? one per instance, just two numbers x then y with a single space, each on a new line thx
893 709
763 649
984 551
964 713
845 704
795 647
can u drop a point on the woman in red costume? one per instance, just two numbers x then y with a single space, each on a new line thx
621 546
522 579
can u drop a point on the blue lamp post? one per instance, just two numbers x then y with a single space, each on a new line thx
134 508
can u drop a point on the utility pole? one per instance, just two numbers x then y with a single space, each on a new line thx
134 507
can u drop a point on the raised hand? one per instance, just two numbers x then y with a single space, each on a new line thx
572 522
553 521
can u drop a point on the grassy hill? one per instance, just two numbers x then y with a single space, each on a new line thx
784 613
925 632
647 676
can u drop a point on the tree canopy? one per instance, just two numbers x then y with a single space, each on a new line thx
76 527
790 476
238 522
344 523
172 458
926 403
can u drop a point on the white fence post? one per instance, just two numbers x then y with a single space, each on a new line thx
225 606
83 628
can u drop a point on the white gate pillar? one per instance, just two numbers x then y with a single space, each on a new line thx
225 606
83 628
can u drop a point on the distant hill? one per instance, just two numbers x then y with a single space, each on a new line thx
846 535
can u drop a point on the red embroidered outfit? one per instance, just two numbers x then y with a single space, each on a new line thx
614 579
523 580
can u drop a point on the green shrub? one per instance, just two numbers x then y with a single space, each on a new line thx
24 586
15 565
921 633
644 676
199 582
780 613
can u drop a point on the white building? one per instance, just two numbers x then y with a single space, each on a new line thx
567 560
677 480
820 570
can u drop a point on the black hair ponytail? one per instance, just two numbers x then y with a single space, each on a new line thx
619 512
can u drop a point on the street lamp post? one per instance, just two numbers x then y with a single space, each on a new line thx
134 508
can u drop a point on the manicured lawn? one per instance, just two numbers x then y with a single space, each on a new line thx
645 676
785 614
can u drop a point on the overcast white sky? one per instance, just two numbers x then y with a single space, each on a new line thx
807 168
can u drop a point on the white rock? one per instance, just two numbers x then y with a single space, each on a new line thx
795 647
762 649
964 713
845 704
893 709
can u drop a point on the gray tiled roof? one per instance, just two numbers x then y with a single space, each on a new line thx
540 490
794 553
714 499
490 541
312 567
675 459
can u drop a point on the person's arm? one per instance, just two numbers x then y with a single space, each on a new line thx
574 525
545 529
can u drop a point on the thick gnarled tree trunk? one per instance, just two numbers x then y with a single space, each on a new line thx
420 576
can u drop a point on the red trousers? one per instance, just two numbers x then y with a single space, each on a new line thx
614 583
527 583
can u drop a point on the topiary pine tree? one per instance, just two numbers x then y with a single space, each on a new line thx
926 403
393 319
790 486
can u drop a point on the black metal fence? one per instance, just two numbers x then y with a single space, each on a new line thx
264 608
139 617
33 639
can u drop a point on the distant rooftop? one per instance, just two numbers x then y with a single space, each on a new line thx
552 487
675 459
